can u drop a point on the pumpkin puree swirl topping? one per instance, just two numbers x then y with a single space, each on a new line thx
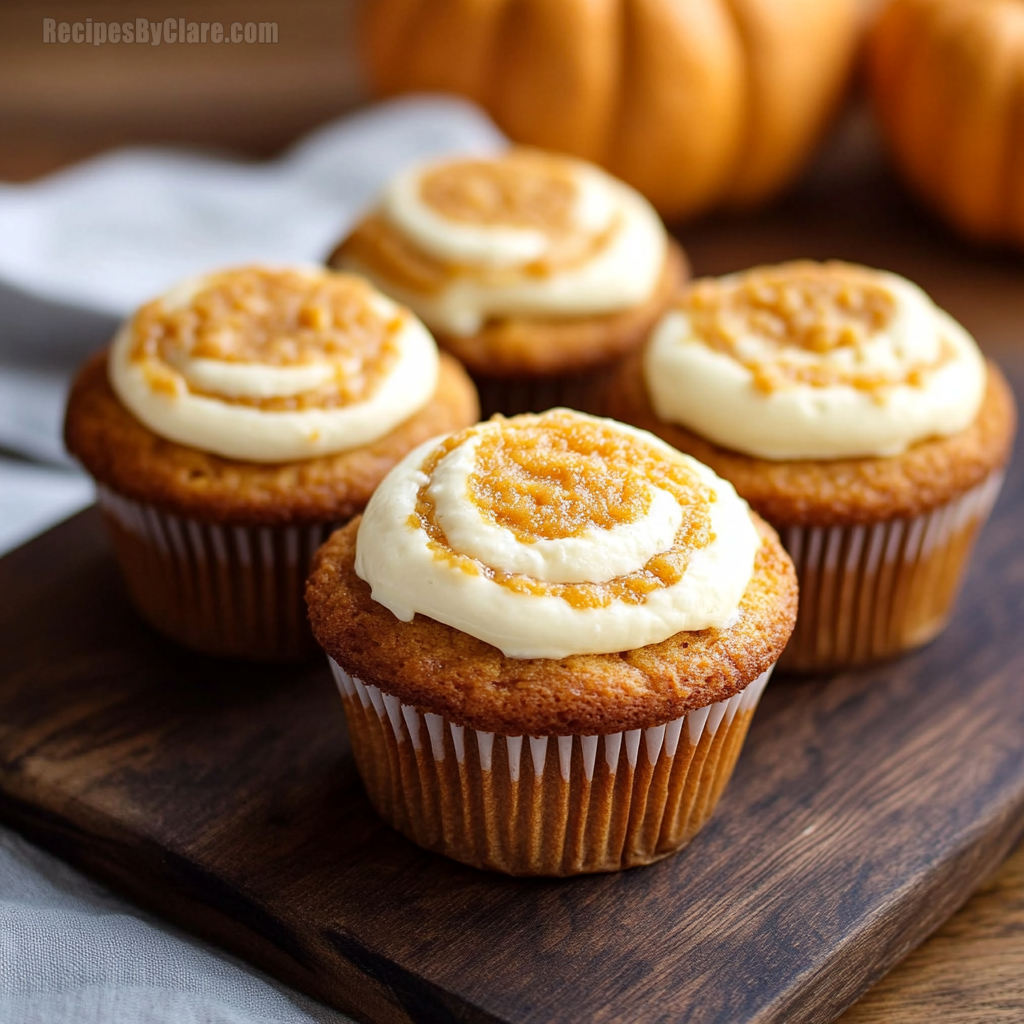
810 360
558 475
277 318
554 534
273 365
466 241
525 190
803 314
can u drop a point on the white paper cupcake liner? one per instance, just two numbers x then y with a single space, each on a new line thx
547 805
870 592
220 589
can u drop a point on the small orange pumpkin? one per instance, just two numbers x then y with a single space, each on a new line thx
947 83
696 103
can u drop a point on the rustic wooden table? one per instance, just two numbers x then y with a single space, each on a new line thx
972 969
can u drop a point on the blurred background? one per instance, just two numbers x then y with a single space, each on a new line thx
59 103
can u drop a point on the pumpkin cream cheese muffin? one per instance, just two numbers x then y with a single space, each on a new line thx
856 417
537 271
233 423
550 633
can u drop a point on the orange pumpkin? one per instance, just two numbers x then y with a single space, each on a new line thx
947 83
696 103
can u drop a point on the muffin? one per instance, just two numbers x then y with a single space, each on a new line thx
550 633
237 420
538 272
856 417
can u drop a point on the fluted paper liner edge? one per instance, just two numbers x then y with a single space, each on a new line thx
869 592
548 805
217 588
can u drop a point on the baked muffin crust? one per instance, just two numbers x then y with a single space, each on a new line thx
122 453
840 492
441 670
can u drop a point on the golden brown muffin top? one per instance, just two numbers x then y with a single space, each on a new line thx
439 669
123 454
835 492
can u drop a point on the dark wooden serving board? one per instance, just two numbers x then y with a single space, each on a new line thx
864 810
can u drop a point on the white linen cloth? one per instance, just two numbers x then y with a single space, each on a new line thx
71 953
78 251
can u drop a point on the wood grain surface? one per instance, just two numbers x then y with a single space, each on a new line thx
864 810
225 799
970 972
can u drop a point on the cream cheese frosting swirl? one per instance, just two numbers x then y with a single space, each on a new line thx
557 534
273 365
813 361
526 233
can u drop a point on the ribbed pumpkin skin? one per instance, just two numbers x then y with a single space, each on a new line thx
697 103
947 84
